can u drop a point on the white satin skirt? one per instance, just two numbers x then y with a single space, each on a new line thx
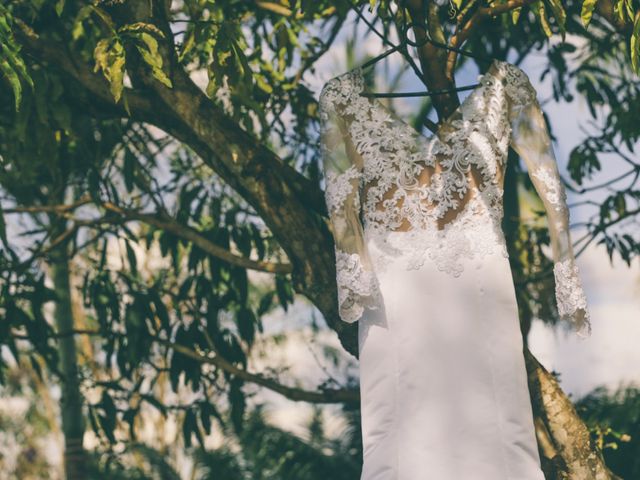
444 393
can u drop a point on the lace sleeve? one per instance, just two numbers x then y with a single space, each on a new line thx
356 281
531 140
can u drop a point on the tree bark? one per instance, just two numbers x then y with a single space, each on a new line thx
71 402
568 452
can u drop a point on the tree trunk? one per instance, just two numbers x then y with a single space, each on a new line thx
71 401
568 452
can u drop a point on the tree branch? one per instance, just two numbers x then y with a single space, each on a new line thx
287 201
328 395
325 396
168 224
464 30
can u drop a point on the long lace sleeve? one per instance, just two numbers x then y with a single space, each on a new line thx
356 280
531 140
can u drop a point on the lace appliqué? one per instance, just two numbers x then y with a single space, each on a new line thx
475 137
570 297
339 187
555 192
357 287
518 86
472 235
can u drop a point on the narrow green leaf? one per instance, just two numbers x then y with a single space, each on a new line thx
131 256
515 15
139 27
11 55
629 7
539 11
14 81
151 56
588 6
635 43
3 228
560 15
187 45
59 7
246 322
110 58
78 26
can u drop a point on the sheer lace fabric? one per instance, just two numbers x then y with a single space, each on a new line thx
437 198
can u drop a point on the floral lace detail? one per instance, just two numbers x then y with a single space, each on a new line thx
570 297
518 87
357 287
465 238
339 187
436 198
555 192
474 140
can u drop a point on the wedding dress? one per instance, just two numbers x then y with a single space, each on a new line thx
421 263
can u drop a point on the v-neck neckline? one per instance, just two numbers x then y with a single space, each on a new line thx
358 72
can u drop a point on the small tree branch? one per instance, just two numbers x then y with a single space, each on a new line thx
328 395
168 224
466 28
296 394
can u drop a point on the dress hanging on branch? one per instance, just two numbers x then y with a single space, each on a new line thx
422 265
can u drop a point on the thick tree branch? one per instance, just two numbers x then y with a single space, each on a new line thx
566 433
287 202
431 57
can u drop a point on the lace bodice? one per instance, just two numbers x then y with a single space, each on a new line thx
436 198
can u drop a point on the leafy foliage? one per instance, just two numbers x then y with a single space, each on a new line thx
161 234
613 418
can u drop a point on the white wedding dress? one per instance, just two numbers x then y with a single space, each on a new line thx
422 264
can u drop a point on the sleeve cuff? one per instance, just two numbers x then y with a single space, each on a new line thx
358 287
570 297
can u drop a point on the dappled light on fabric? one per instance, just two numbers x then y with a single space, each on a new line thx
445 191
422 265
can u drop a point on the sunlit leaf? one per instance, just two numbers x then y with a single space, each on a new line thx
588 6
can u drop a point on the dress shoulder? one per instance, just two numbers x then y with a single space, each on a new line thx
517 85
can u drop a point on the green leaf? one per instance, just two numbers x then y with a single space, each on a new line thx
131 256
110 58
189 426
515 15
187 45
108 420
539 11
237 403
246 325
14 81
283 290
78 27
635 43
59 7
151 56
560 15
588 6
